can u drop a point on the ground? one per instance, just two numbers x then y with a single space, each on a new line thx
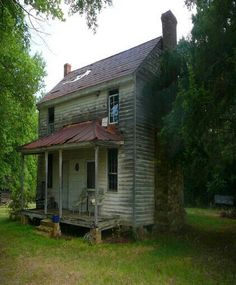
204 253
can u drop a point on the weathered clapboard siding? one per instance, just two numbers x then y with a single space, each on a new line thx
43 130
121 202
134 200
92 107
88 107
145 144
85 108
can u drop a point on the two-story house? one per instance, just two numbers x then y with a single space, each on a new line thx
95 135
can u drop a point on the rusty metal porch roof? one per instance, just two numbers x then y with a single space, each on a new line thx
90 131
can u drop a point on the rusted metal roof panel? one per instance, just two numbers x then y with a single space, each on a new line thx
119 65
81 132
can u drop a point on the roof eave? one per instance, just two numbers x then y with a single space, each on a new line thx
158 45
71 146
87 90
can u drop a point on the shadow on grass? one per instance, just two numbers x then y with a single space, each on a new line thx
203 253
214 240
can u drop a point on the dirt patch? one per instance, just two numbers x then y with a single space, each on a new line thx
39 270
117 240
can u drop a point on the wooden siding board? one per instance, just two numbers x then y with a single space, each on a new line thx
92 107
145 138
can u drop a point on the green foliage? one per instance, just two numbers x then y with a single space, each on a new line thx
44 9
20 77
163 88
162 93
203 117
90 8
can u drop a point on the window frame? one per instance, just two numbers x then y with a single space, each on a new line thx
113 173
51 119
112 94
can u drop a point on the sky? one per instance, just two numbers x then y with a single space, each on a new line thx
122 26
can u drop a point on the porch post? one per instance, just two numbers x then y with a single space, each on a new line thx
46 184
96 186
22 180
60 183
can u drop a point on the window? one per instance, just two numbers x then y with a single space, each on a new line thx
50 170
91 175
113 104
112 169
50 120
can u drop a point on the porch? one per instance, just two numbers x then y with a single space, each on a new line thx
73 218
75 158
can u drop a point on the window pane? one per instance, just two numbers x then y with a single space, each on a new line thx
50 120
112 169
51 115
113 106
91 175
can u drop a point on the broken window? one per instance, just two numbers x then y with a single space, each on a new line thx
113 103
50 120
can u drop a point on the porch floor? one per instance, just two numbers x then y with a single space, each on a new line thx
76 219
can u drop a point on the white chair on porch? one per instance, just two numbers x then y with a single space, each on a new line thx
100 198
83 200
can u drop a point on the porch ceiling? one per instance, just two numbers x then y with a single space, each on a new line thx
75 135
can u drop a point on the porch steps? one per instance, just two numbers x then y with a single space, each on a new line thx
46 225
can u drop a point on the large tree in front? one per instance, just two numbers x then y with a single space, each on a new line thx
21 76
204 113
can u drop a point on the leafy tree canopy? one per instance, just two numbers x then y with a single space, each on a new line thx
21 76
54 8
203 117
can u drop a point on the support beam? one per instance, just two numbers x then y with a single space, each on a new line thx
60 183
96 186
46 184
22 180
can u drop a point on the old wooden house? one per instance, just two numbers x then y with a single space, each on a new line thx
96 140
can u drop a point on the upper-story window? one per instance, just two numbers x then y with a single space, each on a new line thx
113 105
50 120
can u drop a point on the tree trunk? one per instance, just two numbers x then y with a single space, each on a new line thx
169 210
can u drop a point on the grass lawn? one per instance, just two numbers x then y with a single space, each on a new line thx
204 253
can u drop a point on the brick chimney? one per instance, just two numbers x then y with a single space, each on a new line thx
67 69
169 34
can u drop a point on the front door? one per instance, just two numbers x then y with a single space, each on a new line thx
65 186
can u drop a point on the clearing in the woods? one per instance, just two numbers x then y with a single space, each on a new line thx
204 253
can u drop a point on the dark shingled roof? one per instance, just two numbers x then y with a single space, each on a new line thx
121 64
90 131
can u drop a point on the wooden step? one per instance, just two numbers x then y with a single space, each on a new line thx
47 226
47 223
44 229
